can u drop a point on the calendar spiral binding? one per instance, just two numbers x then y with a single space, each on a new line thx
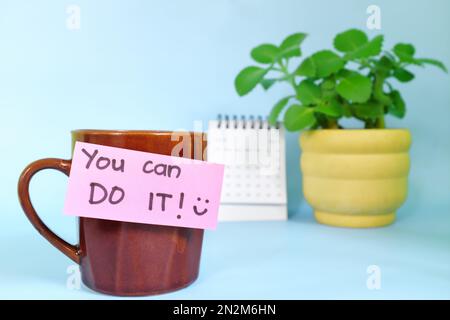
234 121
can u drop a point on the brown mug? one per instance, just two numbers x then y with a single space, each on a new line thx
123 258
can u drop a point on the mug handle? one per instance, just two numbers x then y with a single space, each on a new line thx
73 252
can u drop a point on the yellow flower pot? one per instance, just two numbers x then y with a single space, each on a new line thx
355 178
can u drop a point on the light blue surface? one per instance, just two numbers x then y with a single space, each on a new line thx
165 64
299 259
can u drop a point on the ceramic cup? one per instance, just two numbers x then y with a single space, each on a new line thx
123 258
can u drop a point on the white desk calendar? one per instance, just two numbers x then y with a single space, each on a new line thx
253 152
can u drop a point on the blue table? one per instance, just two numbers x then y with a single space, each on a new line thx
294 259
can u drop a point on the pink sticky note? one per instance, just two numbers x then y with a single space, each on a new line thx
134 186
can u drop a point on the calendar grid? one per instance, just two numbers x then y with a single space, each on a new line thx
254 186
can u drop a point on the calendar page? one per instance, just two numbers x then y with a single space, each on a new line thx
253 153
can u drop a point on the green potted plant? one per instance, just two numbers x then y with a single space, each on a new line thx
351 177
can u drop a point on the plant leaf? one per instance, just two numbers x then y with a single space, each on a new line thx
298 117
355 87
265 53
328 84
290 47
397 108
328 88
405 52
368 110
404 49
370 49
267 83
248 78
403 75
327 62
308 92
350 40
433 62
346 110
344 73
307 68
276 110
385 65
332 109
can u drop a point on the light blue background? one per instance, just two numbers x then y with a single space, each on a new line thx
165 64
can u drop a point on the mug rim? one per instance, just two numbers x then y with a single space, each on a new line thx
128 132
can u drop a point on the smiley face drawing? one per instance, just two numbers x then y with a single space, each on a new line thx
196 210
